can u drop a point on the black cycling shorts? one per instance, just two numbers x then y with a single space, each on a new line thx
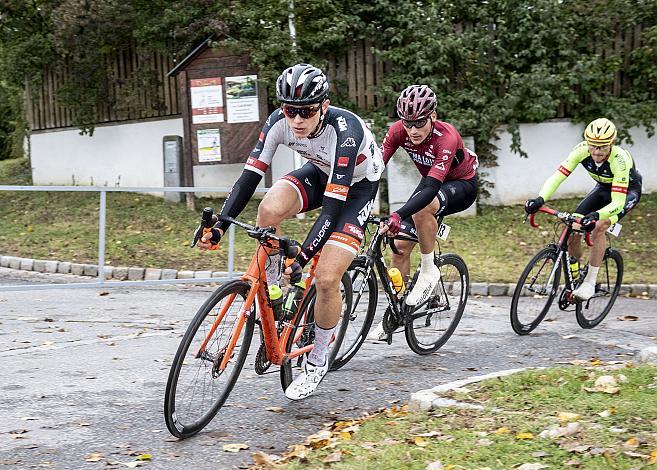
310 183
600 196
454 196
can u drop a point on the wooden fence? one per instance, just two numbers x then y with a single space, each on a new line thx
357 69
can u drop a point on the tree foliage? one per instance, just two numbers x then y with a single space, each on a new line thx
495 63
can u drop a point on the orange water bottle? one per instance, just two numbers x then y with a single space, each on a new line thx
397 280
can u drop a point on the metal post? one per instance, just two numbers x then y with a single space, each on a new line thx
231 251
101 237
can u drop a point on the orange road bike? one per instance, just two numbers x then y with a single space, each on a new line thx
215 346
539 283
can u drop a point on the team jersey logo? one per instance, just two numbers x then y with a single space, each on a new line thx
343 161
342 123
353 230
349 142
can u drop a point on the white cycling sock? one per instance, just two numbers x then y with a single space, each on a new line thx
317 356
426 265
592 275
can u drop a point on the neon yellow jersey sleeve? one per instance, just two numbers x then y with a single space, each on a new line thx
620 162
577 154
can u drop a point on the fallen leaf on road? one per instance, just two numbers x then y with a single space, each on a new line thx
261 458
524 436
631 443
627 318
484 442
144 457
334 457
234 447
420 441
502 430
565 416
437 465
95 457
604 384
275 409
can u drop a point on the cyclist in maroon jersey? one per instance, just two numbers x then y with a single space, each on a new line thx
448 185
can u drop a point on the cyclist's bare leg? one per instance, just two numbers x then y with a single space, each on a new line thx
599 241
332 264
403 260
281 202
575 246
427 226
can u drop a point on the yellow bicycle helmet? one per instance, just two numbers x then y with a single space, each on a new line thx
600 132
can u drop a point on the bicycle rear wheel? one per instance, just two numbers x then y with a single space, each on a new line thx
303 333
607 287
431 324
365 292
534 292
197 388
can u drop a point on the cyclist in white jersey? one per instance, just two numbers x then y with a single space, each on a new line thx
341 176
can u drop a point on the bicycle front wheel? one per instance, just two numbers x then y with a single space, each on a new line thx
197 387
303 333
365 292
535 291
431 324
607 287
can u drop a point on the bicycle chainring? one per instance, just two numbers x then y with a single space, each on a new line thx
262 363
390 321
566 300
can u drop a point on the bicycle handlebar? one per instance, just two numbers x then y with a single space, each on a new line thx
566 217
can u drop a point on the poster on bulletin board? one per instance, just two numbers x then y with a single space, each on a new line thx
242 99
209 145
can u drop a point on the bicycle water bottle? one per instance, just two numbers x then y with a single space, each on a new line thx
574 267
292 299
276 297
397 280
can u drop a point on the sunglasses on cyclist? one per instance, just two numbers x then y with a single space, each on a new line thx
417 123
306 112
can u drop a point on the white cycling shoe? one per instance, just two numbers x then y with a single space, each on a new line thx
307 381
585 291
424 287
378 334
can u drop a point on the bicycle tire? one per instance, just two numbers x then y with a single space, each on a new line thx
177 402
604 288
306 320
520 326
439 303
356 333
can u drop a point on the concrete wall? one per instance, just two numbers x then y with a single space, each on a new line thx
547 144
123 155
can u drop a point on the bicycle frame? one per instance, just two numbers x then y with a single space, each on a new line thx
562 244
275 345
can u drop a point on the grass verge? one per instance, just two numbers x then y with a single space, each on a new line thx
553 418
147 231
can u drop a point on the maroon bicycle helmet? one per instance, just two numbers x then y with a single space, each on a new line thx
416 102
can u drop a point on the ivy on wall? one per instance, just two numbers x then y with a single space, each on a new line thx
492 64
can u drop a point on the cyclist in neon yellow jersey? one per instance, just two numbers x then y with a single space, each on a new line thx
617 191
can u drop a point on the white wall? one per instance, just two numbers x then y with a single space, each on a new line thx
547 144
123 155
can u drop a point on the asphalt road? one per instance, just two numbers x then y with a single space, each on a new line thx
82 375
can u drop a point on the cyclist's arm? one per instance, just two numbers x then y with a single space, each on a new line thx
620 164
391 142
255 168
578 154
431 184
337 187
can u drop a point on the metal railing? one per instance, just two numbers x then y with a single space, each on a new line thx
102 282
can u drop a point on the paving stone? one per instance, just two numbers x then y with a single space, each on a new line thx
202 274
624 290
169 274
77 269
64 267
120 273
652 290
648 356
497 289
27 264
220 274
639 289
90 270
4 261
109 270
39 265
152 274
136 274
185 274
51 266
478 288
